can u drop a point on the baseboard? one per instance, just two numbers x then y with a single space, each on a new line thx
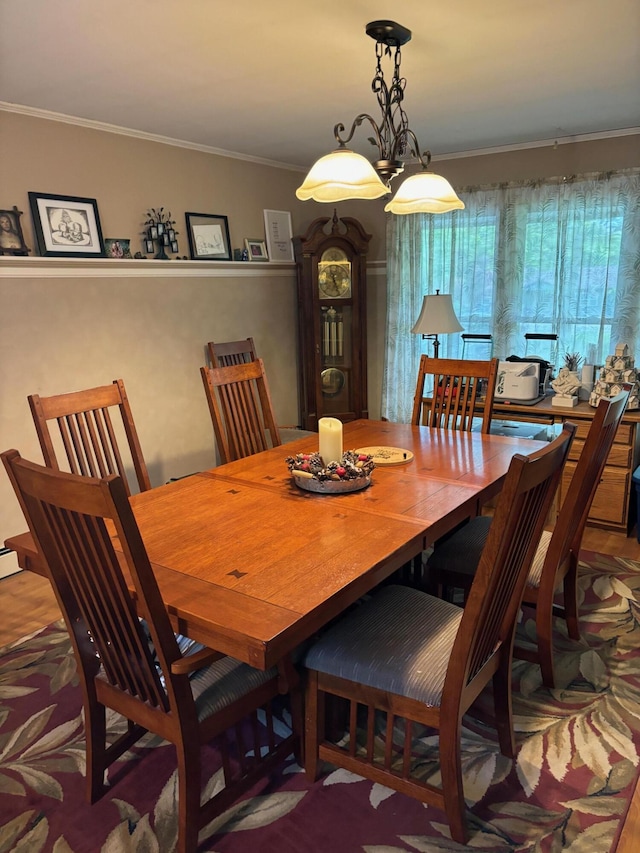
8 564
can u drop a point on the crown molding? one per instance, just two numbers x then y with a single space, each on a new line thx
220 152
34 112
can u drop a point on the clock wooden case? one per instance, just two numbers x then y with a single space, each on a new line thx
332 269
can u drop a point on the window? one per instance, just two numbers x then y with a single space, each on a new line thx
560 257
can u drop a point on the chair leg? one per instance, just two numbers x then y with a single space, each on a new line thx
503 706
96 746
314 725
189 789
451 772
544 632
570 593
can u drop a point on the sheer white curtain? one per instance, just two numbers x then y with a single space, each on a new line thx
559 256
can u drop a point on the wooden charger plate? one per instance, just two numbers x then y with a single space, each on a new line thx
387 455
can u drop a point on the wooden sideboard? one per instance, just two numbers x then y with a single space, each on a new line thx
614 504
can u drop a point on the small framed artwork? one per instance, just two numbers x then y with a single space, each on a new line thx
208 236
66 226
11 239
277 227
148 247
256 249
117 248
174 247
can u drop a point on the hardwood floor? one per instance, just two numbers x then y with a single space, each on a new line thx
28 603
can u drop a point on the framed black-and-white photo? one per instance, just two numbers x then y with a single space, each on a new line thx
277 227
11 239
174 247
149 247
256 249
208 237
66 226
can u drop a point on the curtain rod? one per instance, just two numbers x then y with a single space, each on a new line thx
555 180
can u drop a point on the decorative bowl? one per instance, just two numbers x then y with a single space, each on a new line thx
352 473
330 487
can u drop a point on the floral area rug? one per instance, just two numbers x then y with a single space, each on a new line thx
568 790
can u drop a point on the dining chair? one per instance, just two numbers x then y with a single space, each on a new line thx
455 560
88 434
136 668
460 390
226 353
417 660
241 409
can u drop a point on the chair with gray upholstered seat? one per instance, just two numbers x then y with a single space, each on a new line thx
454 560
187 699
420 661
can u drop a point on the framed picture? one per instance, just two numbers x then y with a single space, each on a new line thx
117 248
11 239
277 227
149 247
208 237
66 226
256 249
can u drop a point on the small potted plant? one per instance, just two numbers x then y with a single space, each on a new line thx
572 361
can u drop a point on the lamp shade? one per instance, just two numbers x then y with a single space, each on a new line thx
437 316
424 193
341 175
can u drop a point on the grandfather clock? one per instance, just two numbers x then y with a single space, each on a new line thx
332 334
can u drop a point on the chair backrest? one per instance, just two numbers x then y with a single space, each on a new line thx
572 518
241 409
489 617
88 435
68 516
231 352
461 389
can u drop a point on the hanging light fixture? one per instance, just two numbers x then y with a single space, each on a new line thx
344 174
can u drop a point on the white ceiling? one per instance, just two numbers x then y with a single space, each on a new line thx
270 78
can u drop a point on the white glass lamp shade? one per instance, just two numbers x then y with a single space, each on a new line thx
341 175
437 316
424 193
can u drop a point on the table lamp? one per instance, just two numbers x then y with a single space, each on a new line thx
437 317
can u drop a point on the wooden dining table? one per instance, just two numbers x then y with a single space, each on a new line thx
252 565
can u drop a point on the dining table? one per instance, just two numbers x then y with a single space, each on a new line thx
252 565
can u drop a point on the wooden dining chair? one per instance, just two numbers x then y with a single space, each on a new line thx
460 390
412 658
135 667
90 433
227 353
241 409
455 560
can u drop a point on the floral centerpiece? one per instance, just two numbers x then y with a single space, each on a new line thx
352 472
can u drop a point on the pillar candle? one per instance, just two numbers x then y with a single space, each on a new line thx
330 438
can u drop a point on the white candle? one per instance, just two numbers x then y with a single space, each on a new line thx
330 437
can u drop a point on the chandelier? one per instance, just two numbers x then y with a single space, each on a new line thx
344 174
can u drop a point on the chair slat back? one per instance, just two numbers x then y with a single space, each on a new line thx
72 518
241 409
227 353
460 389
80 426
490 613
572 518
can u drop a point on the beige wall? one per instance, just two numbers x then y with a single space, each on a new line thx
67 325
